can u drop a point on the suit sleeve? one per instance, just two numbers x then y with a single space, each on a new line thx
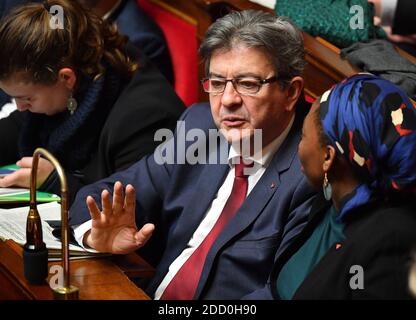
297 218
127 151
128 146
150 178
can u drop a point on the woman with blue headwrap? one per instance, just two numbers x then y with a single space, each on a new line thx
359 146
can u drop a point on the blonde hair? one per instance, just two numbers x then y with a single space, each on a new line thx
31 47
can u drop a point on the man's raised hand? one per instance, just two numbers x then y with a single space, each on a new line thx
114 228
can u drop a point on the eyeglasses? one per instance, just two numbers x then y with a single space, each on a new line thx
241 85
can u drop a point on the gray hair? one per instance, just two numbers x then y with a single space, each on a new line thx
278 36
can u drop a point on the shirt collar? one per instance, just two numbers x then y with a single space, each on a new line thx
264 156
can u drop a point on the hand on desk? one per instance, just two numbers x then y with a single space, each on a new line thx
21 177
114 228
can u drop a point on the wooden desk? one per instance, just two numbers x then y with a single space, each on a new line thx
97 279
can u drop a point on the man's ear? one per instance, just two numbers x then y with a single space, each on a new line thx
293 90
330 155
68 76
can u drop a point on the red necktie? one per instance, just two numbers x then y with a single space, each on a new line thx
184 283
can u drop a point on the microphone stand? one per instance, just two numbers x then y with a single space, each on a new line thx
35 253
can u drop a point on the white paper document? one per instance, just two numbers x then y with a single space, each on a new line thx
13 225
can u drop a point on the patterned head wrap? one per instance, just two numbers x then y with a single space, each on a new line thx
372 123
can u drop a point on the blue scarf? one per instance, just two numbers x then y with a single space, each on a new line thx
372 124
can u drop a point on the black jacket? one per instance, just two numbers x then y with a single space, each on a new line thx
380 238
146 104
403 22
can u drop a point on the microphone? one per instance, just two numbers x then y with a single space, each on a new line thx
35 253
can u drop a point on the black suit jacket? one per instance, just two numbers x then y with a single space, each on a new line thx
404 17
379 237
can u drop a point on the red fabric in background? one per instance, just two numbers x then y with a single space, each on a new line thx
309 98
181 38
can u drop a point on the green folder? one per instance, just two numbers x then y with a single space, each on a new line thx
10 166
25 197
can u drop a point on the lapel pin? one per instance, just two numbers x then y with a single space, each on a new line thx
337 246
272 185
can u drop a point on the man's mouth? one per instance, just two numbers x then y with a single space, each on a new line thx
233 121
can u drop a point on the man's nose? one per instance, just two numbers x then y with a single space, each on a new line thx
230 96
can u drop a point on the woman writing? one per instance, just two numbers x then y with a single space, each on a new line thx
79 94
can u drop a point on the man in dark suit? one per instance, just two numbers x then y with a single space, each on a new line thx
214 216
5 7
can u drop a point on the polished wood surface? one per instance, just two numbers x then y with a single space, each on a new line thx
97 279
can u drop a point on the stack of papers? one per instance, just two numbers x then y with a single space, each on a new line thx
266 3
13 226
